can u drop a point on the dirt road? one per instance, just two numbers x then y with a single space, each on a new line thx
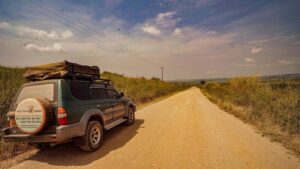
183 131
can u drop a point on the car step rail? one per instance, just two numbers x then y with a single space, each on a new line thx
113 124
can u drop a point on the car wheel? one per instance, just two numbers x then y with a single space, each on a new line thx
130 117
93 136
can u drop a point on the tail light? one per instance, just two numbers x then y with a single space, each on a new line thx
62 116
11 122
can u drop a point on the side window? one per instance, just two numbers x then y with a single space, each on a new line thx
81 90
112 94
98 93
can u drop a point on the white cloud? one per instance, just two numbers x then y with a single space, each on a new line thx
23 30
33 32
250 60
56 48
162 23
177 31
162 16
166 19
67 34
256 50
4 25
151 30
211 32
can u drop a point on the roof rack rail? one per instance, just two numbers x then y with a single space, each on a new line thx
102 81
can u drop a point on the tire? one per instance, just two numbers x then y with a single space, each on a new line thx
40 108
93 137
130 117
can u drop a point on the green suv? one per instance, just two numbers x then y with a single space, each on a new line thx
53 111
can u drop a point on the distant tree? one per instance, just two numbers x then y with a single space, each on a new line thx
202 82
155 78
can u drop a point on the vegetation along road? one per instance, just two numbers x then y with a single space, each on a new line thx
183 131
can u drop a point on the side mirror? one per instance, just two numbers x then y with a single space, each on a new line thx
121 94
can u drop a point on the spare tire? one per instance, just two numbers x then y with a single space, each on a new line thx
32 115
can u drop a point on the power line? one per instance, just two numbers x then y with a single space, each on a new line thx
69 23
102 33
84 29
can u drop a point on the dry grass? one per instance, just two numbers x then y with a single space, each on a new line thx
142 90
273 107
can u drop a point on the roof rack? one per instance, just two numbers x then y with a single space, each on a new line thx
102 81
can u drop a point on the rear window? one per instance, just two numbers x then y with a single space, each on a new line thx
45 91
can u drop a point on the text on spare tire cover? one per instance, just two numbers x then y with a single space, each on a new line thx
30 115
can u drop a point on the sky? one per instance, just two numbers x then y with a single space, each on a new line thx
191 39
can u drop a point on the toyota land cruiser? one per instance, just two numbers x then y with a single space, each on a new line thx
58 110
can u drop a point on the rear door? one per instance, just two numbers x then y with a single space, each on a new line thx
117 102
103 103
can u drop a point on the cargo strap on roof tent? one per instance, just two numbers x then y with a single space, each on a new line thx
63 69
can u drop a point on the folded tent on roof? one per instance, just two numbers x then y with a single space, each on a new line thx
62 69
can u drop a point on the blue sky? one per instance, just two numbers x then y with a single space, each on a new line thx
192 39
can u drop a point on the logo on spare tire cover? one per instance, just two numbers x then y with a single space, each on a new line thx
30 116
31 109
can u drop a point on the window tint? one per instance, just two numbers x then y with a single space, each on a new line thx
45 91
98 93
112 94
81 90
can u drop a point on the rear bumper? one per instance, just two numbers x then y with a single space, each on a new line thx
62 133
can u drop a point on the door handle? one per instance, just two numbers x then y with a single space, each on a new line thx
98 105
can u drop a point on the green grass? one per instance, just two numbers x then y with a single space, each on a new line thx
141 90
274 107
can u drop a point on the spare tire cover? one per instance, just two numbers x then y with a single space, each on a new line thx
30 116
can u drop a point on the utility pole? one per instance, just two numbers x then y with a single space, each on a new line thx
162 73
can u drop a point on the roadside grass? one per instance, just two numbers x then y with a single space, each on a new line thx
10 80
273 107
141 90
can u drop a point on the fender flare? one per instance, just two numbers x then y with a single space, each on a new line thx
85 118
128 105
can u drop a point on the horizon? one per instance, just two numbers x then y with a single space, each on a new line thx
197 78
191 39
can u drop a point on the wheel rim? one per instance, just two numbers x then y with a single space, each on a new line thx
95 135
130 118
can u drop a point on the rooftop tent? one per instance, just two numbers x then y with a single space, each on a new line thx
63 69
